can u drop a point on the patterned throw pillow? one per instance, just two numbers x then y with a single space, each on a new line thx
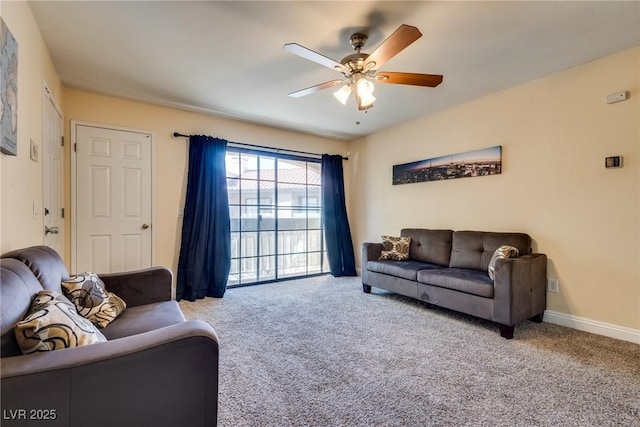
395 248
503 251
52 323
87 293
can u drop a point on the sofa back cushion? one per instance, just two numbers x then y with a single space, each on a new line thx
432 246
18 287
45 263
474 249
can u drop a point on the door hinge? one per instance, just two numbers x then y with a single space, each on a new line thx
62 141
62 212
75 147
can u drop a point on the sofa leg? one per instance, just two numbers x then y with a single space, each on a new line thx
506 331
366 289
537 318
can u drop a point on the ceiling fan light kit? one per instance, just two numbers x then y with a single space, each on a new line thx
364 91
361 69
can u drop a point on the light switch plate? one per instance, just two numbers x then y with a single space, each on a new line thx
36 210
34 150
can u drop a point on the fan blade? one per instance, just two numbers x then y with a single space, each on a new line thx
309 54
429 80
394 44
314 89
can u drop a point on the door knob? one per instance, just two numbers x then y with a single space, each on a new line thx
145 226
52 230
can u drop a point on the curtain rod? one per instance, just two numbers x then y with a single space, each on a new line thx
176 135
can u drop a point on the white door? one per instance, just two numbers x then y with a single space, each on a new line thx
113 200
53 166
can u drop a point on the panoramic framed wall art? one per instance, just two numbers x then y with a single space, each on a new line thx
487 161
8 91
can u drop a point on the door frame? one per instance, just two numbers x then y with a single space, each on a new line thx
74 184
47 97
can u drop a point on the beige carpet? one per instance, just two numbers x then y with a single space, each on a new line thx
320 352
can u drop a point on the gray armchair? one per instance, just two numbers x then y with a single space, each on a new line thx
155 369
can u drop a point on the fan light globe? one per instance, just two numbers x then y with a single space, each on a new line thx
342 94
367 101
365 92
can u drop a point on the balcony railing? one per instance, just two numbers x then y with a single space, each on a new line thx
254 257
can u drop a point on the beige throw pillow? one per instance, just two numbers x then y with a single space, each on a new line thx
52 323
395 248
503 251
87 292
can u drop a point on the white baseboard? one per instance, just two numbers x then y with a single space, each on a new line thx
593 326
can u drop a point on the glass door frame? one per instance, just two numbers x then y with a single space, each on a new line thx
266 237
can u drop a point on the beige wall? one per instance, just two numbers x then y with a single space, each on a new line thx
21 177
555 134
170 154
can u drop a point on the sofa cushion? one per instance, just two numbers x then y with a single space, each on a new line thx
144 318
430 246
395 248
470 281
88 294
504 251
45 263
474 249
52 323
404 269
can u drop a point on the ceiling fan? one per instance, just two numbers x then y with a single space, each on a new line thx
360 70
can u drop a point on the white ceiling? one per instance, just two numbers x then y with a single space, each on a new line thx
226 57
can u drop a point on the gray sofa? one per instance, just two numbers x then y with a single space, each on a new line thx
156 369
449 269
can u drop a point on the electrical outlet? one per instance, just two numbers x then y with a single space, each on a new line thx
552 285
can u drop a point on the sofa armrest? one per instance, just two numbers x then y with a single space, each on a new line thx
520 288
164 377
142 286
370 252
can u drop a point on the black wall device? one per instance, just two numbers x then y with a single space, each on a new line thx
613 162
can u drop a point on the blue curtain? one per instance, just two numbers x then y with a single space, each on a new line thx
334 217
205 252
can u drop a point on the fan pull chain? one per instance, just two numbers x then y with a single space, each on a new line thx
358 115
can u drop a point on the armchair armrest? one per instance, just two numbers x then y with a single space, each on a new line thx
140 287
520 288
165 377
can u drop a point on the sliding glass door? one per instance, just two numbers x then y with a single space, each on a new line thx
276 228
